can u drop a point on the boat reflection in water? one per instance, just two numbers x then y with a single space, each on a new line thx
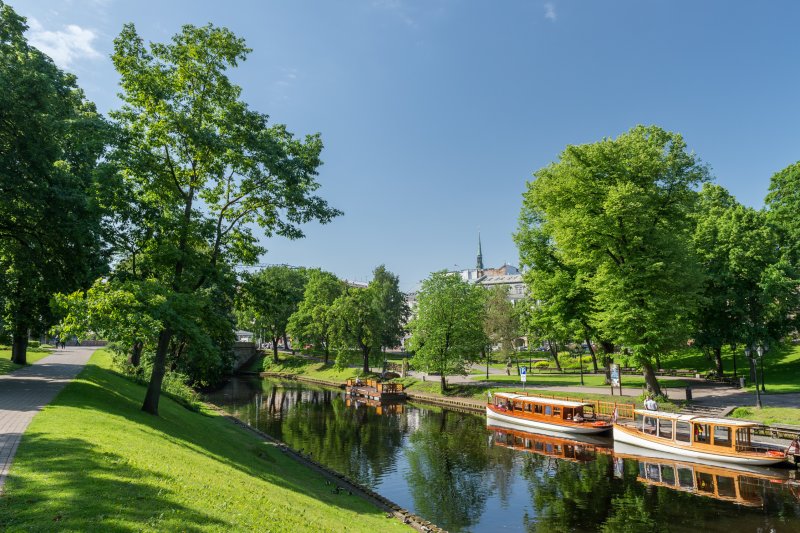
576 448
748 486
381 408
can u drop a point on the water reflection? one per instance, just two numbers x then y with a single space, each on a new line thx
451 469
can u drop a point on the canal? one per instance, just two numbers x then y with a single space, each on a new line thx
447 467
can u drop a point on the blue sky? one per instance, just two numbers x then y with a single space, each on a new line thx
435 113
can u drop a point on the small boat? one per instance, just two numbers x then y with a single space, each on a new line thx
564 416
715 440
372 389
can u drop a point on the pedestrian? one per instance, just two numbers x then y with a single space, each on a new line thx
650 404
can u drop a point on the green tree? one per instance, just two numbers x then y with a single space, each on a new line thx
618 212
311 323
447 333
201 167
501 322
391 306
356 328
268 299
50 142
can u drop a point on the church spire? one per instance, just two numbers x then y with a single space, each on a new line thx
480 253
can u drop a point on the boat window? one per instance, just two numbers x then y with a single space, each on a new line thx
556 411
549 448
548 410
665 429
722 436
668 475
705 482
726 486
649 425
701 433
682 431
528 407
518 441
743 437
527 443
643 470
537 409
653 473
686 478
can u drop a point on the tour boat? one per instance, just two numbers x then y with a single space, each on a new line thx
719 440
747 488
564 416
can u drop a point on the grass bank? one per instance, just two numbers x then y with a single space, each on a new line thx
7 366
93 461
769 415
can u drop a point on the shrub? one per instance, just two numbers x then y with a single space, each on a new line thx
34 344
541 364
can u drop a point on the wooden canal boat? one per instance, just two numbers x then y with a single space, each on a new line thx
742 487
381 408
554 414
549 444
374 390
718 440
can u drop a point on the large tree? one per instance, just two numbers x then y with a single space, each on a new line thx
268 299
201 167
618 212
501 323
356 328
391 306
312 322
447 333
51 140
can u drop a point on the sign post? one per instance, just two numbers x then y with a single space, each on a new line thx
615 379
523 375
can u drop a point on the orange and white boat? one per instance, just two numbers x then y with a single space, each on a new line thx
716 440
574 448
564 416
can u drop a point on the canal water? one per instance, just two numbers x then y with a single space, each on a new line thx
449 468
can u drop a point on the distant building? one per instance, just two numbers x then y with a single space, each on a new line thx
506 274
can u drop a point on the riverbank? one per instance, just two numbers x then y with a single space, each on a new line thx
92 460
32 356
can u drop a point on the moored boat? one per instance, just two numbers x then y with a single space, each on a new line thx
718 440
574 448
564 416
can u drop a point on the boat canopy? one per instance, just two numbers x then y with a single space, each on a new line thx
698 419
537 399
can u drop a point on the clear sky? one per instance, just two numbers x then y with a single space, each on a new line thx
435 113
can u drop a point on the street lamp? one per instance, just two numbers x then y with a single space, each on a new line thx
579 351
748 353
761 349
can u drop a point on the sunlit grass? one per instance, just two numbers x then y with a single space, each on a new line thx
93 461
769 415
7 366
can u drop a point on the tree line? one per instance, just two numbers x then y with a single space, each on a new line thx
319 311
131 225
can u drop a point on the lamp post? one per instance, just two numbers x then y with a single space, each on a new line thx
748 353
761 349
579 351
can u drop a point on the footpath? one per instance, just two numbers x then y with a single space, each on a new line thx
24 392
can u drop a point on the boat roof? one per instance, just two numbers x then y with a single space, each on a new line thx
699 419
538 399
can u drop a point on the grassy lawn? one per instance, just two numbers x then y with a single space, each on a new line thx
769 415
290 364
7 366
93 461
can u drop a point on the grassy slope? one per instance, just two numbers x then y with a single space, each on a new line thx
92 461
7 366
769 415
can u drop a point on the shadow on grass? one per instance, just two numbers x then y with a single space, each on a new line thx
85 490
72 463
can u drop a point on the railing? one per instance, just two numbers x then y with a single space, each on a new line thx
624 410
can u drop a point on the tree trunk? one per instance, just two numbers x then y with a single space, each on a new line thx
486 356
718 360
650 379
327 352
752 362
658 363
365 353
135 357
554 353
443 383
733 357
19 345
594 355
159 364
275 348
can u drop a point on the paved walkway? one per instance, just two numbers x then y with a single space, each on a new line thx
24 392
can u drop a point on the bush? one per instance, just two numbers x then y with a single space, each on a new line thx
34 344
541 364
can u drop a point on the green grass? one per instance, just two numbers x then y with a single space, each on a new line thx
93 461
769 415
568 380
7 366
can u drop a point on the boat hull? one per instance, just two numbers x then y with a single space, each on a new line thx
535 424
686 452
